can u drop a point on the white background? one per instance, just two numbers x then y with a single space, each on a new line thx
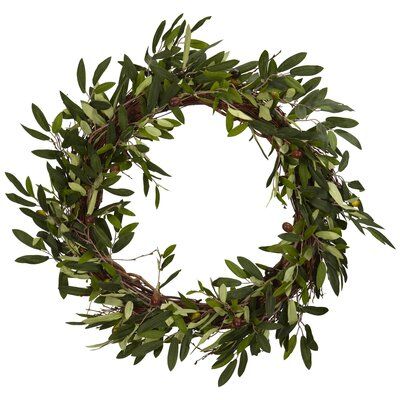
215 208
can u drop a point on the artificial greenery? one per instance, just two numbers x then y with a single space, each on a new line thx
96 140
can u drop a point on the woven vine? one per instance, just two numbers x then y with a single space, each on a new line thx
284 113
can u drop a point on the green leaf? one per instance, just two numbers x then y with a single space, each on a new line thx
143 85
200 23
315 310
170 278
157 197
100 70
227 373
130 69
344 161
32 259
40 118
341 122
239 114
356 185
103 318
305 352
185 345
321 274
292 312
145 348
290 347
349 137
250 267
20 200
36 134
153 322
76 187
18 185
236 269
242 363
122 242
229 282
263 64
306 70
173 353
186 47
47 154
57 123
120 192
292 61
380 236
92 114
157 36
222 293
23 237
237 129
81 75
169 250
327 235
103 87
290 237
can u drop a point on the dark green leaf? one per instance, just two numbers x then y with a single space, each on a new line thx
120 192
292 61
314 310
242 362
173 353
100 70
236 269
200 23
344 161
349 137
81 75
40 118
35 134
153 322
122 242
32 259
250 267
170 278
24 237
185 345
341 122
263 64
305 352
18 185
356 185
48 154
306 70
227 373
380 236
157 36
18 199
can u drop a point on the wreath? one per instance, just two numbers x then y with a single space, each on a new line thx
96 141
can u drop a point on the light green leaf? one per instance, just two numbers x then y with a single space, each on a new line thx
186 48
92 114
265 113
292 313
128 309
239 114
223 293
76 187
102 318
327 235
143 85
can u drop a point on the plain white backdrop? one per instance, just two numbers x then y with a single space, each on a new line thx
216 206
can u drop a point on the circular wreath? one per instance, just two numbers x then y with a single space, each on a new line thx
96 141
